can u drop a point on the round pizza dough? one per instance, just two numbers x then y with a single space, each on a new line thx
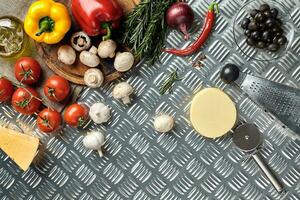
212 113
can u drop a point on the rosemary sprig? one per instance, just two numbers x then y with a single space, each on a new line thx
146 29
169 81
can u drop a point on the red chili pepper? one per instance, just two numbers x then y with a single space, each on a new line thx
97 16
207 27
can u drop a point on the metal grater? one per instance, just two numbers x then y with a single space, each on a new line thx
280 100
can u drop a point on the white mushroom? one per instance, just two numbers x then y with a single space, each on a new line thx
99 113
80 41
163 123
94 140
106 49
122 91
123 61
66 54
93 78
90 58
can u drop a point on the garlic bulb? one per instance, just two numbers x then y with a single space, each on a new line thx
93 78
99 113
94 140
163 123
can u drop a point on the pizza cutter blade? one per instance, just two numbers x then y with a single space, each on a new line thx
248 138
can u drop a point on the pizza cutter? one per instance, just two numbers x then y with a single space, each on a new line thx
248 138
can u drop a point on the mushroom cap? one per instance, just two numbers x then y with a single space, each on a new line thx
89 59
107 48
93 78
80 41
123 61
66 54
122 90
99 113
94 140
163 123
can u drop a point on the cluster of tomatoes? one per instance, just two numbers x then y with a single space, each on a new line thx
27 101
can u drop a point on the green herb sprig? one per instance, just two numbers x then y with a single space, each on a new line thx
145 29
168 83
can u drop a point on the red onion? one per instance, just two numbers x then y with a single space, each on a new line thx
181 16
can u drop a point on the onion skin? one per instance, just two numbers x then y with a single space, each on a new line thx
180 16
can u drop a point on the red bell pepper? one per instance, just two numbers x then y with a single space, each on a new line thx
97 16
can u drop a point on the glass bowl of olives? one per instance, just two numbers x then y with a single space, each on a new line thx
263 30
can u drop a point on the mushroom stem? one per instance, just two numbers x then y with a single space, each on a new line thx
100 152
93 79
126 100
80 41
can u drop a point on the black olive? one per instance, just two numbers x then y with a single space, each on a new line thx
250 42
278 22
261 45
262 26
275 39
277 31
273 47
252 26
253 12
259 17
270 22
247 33
282 40
256 35
274 12
245 22
268 14
229 73
266 36
264 7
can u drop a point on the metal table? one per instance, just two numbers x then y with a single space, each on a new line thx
142 164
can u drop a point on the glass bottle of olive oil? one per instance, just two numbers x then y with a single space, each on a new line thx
13 39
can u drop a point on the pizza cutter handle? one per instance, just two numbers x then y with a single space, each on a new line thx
272 178
229 73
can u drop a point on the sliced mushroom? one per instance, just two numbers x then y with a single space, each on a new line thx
93 78
80 41
90 58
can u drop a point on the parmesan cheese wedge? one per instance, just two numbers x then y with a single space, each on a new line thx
21 148
212 113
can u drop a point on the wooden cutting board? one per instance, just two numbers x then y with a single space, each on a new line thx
75 73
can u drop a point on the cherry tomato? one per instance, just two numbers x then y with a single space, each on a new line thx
26 101
6 89
76 115
56 88
49 120
27 70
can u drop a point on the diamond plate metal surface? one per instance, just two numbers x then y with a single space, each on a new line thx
142 164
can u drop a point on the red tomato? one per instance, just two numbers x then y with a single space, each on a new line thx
76 115
25 101
56 88
49 120
27 70
6 89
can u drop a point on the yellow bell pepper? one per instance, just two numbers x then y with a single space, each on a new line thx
47 21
